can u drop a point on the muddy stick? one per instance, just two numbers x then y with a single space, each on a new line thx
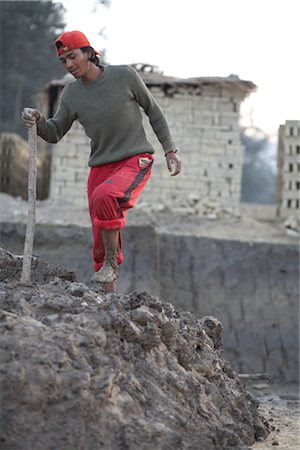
30 229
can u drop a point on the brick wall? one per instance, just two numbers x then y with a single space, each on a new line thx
206 130
69 170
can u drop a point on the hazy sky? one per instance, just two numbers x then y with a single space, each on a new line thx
255 39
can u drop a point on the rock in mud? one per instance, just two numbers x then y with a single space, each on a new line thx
84 371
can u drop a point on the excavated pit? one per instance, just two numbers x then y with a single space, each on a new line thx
82 370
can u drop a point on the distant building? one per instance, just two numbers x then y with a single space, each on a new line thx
203 115
288 187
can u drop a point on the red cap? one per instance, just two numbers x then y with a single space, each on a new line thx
70 40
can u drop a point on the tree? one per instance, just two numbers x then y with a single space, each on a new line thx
101 2
28 62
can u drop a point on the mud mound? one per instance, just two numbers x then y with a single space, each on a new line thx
41 271
84 371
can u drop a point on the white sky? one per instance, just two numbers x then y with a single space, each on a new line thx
255 39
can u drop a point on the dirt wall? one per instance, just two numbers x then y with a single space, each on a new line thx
251 287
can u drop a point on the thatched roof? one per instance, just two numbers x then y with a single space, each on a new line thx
174 85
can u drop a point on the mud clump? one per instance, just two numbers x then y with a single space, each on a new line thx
81 370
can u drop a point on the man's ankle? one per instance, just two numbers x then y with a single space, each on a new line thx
109 288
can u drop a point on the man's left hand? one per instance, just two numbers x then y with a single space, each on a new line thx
173 163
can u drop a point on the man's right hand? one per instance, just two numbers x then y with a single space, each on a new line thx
30 116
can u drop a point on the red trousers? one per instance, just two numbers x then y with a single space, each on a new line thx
112 189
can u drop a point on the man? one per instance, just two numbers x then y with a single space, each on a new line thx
106 100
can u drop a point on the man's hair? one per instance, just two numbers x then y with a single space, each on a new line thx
93 58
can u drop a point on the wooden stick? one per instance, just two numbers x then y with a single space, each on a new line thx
254 376
32 175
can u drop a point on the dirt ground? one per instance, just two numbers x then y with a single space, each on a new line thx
183 221
285 418
279 404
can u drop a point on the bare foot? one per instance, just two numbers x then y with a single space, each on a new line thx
107 286
107 274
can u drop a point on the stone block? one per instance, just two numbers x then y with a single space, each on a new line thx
225 105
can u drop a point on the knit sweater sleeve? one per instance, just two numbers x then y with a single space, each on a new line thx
157 119
52 130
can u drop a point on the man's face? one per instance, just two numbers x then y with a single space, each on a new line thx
76 62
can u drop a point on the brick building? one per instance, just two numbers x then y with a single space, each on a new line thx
288 181
203 115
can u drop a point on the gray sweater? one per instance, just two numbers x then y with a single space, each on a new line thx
109 110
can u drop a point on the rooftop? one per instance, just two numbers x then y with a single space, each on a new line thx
170 85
